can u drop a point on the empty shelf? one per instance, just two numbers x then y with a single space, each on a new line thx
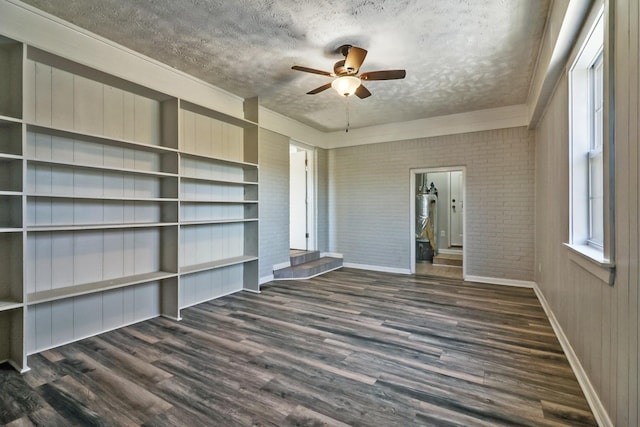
216 264
81 227
89 288
9 305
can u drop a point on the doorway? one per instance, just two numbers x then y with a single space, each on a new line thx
437 219
301 198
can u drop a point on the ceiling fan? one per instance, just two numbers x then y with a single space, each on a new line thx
348 82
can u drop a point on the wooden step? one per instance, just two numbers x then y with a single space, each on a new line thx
308 269
451 260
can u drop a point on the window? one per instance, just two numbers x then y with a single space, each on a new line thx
586 103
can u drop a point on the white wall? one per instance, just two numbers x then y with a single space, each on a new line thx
600 321
369 200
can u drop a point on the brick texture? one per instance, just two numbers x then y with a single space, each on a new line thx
322 198
274 200
369 199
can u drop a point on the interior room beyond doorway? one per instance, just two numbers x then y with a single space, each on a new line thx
438 220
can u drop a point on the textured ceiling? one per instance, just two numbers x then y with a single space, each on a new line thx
460 55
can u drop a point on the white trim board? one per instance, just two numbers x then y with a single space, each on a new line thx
471 121
281 265
306 278
331 254
377 268
500 281
265 279
16 366
599 412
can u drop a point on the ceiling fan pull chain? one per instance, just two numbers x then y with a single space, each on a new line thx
348 124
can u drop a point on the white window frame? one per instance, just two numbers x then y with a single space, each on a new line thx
595 152
594 255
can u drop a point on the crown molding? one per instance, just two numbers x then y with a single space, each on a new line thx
561 31
42 30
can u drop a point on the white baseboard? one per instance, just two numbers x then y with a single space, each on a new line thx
206 300
265 279
500 281
599 412
330 254
15 366
310 277
377 268
281 265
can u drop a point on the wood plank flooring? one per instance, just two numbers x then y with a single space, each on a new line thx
346 348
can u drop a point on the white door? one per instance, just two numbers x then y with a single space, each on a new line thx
298 200
457 205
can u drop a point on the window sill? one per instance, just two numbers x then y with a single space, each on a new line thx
593 261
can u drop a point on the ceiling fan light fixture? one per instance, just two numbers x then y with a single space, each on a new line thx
346 85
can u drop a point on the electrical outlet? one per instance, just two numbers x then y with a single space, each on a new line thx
442 233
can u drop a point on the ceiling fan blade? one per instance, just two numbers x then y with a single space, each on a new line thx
311 70
319 89
362 92
354 58
383 75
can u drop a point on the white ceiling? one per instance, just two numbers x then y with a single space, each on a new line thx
460 55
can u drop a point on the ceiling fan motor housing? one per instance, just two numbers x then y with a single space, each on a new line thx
340 70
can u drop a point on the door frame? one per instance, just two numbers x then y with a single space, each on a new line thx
312 224
412 212
463 202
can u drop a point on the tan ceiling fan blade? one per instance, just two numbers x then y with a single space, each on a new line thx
311 70
384 75
354 59
319 89
362 92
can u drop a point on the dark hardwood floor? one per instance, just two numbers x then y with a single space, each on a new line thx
347 348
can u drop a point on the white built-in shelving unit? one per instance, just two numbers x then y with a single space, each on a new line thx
218 204
118 203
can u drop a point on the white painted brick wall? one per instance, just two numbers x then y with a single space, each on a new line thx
369 199
274 200
322 196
